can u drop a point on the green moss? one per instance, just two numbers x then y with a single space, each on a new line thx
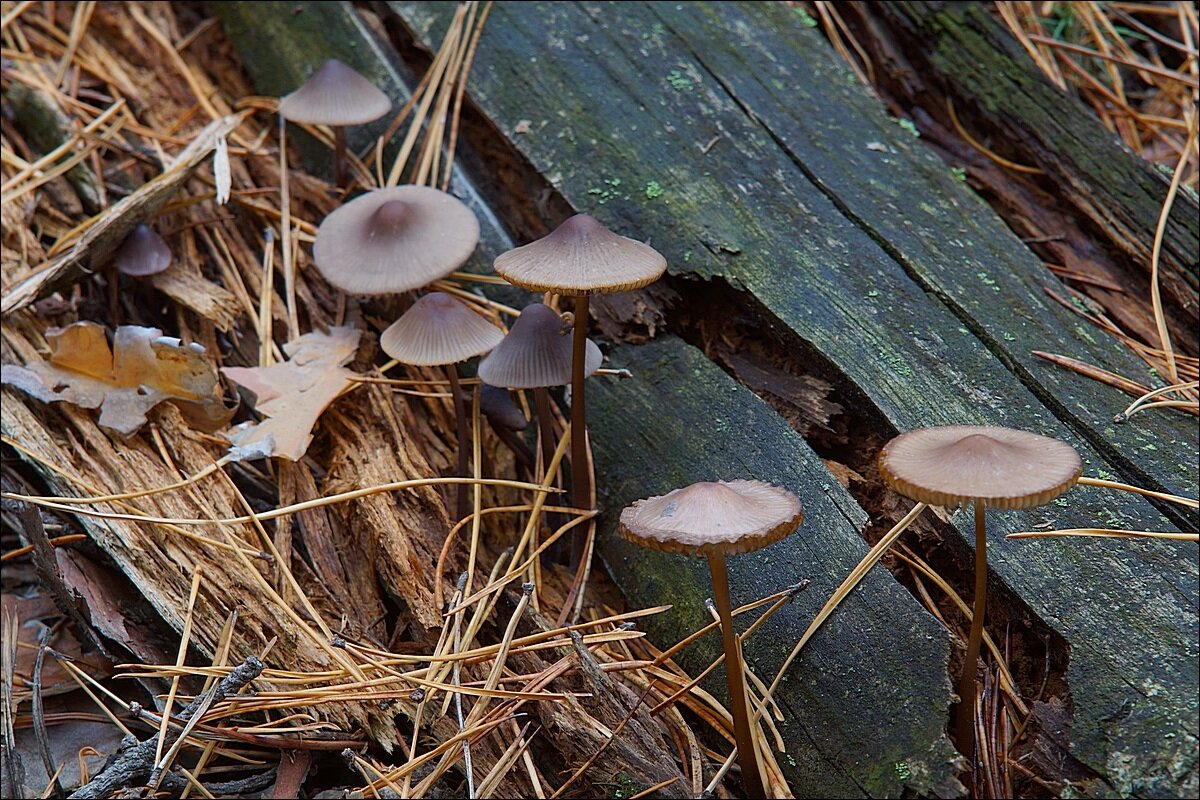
654 190
807 20
679 81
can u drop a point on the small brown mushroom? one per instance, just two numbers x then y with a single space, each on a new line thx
142 253
580 258
537 354
986 467
394 239
716 519
337 96
440 330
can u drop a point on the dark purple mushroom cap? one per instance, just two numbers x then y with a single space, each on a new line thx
395 239
713 517
536 353
959 464
438 329
335 95
142 253
497 405
581 257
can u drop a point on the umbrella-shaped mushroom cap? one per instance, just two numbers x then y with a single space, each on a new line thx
438 329
581 257
395 239
718 517
142 253
536 353
960 464
335 95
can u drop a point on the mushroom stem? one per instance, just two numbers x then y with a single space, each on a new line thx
752 781
580 490
541 401
460 421
965 720
339 154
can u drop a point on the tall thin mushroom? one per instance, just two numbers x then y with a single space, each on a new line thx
337 96
986 467
717 519
578 259
440 331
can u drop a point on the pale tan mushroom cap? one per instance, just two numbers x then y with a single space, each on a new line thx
335 95
581 257
721 517
536 353
395 239
959 464
438 329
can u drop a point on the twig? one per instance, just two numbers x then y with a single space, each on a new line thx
39 715
137 761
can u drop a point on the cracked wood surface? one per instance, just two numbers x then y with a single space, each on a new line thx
628 119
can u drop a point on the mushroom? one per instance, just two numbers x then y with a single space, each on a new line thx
439 331
337 96
142 253
580 258
507 420
394 239
537 354
987 467
716 519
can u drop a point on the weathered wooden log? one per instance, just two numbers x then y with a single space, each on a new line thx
670 122
962 52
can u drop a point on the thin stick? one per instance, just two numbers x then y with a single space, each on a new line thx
1125 487
283 511
1164 336
185 639
1107 533
285 233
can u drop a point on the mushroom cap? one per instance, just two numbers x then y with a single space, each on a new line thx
436 330
335 95
497 405
581 257
142 253
959 464
536 353
395 239
716 517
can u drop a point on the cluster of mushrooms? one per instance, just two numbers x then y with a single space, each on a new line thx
399 239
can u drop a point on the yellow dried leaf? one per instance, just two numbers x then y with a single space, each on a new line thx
142 369
291 395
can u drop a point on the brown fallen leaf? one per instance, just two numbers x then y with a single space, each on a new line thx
292 394
142 369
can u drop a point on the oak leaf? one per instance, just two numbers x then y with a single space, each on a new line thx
141 369
292 394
